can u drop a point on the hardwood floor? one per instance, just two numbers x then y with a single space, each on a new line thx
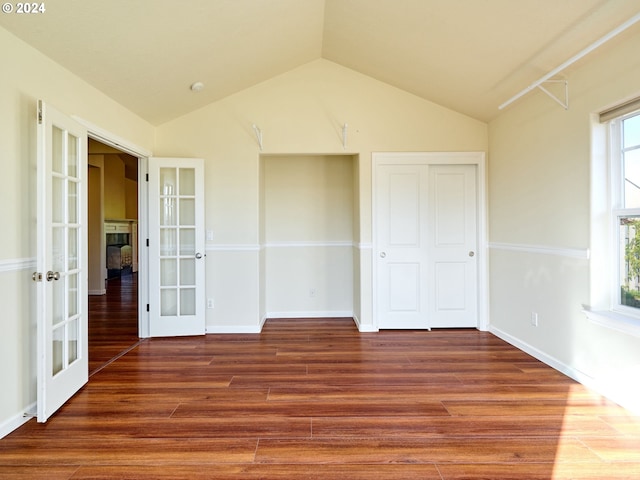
310 399
113 321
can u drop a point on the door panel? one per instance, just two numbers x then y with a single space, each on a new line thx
401 246
61 260
176 246
452 269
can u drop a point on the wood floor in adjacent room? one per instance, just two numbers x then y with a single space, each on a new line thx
316 399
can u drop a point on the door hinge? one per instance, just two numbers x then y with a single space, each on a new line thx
147 242
147 177
147 307
39 112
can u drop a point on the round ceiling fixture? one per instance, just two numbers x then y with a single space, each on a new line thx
196 87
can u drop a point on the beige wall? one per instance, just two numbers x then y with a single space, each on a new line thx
27 76
540 222
300 112
308 241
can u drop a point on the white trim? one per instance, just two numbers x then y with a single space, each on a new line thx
233 248
230 329
577 375
581 253
476 158
345 243
614 320
112 140
15 422
98 292
17 264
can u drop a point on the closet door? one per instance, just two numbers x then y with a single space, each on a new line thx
401 251
452 246
425 214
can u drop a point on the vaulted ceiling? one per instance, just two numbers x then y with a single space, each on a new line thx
467 55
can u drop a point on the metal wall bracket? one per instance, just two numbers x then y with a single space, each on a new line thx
258 133
564 103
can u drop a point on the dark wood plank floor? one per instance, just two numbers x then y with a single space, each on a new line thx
311 399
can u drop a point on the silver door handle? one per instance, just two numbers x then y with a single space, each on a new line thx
198 255
471 253
383 254
53 276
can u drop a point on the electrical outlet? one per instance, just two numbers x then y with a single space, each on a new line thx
209 302
534 319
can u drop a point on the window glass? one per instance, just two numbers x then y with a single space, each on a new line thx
631 132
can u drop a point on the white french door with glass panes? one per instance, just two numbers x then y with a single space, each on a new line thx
176 247
61 278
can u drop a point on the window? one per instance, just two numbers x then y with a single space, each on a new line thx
625 200
614 260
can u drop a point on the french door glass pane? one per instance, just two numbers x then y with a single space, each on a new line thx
168 302
72 198
168 243
187 271
187 181
168 272
57 301
74 300
167 181
187 241
73 341
57 200
57 350
74 233
188 301
57 249
187 211
58 149
72 156
168 212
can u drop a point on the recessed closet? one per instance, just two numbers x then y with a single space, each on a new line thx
308 234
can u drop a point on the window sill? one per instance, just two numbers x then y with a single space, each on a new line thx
614 320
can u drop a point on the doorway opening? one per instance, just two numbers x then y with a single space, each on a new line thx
112 252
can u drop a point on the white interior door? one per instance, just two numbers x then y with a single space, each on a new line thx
452 265
62 278
401 246
176 247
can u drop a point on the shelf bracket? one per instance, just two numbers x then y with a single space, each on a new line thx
563 103
258 133
344 136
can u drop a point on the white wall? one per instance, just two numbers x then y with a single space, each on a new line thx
540 223
300 112
27 76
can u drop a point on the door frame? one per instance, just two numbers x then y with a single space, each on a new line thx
437 158
115 141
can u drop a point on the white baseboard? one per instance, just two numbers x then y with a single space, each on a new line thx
630 404
16 421
233 329
364 328
98 292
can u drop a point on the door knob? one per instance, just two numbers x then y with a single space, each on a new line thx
471 253
383 254
198 255
53 276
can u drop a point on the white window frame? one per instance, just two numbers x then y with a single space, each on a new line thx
607 190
